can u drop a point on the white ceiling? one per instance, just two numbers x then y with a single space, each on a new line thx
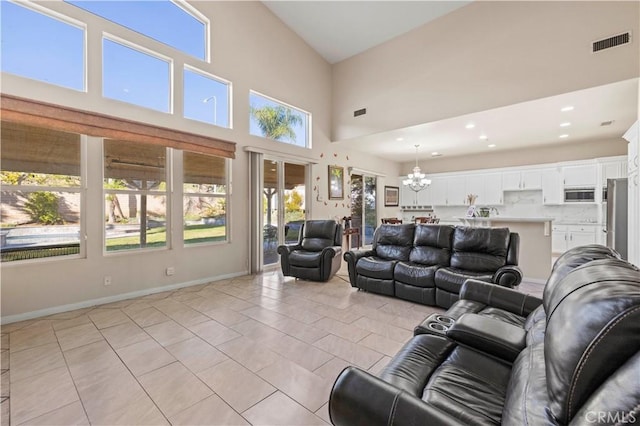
340 29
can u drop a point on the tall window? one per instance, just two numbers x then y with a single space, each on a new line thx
135 193
278 121
136 77
206 98
174 23
42 47
205 198
41 193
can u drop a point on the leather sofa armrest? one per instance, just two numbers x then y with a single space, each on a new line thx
286 249
499 297
358 398
352 257
508 276
332 251
489 335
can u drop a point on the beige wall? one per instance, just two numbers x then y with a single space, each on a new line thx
255 51
485 55
527 156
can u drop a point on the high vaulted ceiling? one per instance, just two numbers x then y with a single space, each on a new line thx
505 67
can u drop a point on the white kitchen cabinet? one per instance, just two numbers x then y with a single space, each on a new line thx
493 194
407 195
552 191
423 198
579 176
511 181
559 239
612 170
474 184
522 180
565 237
439 191
456 191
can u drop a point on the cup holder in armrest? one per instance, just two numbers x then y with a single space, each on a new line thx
444 320
437 327
434 324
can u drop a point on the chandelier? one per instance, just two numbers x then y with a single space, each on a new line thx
417 180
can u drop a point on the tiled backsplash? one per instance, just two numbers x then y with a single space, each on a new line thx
529 204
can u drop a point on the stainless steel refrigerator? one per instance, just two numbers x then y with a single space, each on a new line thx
617 212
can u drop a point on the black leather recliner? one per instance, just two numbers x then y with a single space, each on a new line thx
583 371
512 306
317 254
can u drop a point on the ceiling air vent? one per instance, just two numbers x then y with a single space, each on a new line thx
606 123
610 42
362 111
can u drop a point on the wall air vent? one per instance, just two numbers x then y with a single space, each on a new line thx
607 43
359 112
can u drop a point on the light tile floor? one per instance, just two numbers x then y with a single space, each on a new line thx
261 350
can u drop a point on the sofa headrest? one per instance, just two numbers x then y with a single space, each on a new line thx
593 328
480 249
432 245
572 259
394 241
318 234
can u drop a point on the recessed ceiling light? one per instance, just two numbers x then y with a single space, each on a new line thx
565 124
567 108
484 137
564 136
434 153
491 145
470 126
399 139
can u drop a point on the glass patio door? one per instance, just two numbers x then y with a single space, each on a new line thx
283 206
363 207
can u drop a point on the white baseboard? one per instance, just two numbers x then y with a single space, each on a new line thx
110 299
534 280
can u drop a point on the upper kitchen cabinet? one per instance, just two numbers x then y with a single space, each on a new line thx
580 176
439 191
456 191
522 180
552 189
614 169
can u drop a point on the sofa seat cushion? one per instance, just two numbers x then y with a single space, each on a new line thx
451 279
375 267
470 386
410 369
305 259
415 274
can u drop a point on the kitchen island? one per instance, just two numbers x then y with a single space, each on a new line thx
535 241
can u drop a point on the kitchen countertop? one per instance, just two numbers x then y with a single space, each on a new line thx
505 219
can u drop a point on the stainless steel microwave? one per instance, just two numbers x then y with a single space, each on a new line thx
579 195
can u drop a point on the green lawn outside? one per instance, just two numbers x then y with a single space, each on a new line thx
157 237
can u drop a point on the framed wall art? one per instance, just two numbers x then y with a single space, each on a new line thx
336 183
391 196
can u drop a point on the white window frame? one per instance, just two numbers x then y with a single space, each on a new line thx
228 83
65 20
146 51
308 142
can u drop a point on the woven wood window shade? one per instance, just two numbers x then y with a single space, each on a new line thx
56 117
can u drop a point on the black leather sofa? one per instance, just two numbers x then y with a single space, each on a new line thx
317 254
582 369
429 263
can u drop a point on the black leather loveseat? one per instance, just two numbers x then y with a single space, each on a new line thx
429 263
583 368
